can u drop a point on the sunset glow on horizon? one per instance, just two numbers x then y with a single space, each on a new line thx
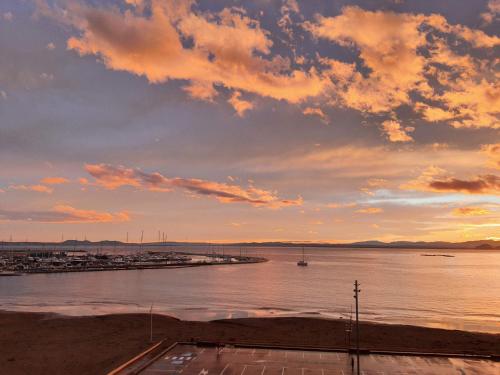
265 120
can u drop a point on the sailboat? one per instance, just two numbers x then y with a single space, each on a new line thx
302 263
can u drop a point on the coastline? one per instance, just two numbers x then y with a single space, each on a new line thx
48 343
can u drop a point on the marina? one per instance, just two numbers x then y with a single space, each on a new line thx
21 262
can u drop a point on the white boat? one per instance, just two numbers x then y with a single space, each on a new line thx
302 263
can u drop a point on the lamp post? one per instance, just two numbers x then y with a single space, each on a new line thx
356 297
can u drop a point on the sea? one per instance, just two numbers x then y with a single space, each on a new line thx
398 286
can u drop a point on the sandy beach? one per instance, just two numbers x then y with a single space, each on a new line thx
53 344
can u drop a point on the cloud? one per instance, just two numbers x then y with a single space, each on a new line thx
441 70
437 180
135 3
395 133
426 177
228 48
315 111
370 210
477 38
54 180
42 186
470 211
51 46
239 105
341 205
64 214
347 168
285 23
236 224
387 44
377 182
112 177
484 184
374 184
201 90
406 54
492 151
492 13
37 188
291 6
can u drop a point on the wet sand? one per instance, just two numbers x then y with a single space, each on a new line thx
38 343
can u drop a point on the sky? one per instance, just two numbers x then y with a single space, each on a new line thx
263 120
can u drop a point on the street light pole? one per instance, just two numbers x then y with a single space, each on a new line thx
151 324
356 295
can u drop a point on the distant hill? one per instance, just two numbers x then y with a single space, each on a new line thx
101 243
479 245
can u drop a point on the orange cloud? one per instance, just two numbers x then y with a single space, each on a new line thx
395 133
402 54
493 11
113 177
426 177
135 3
229 48
315 111
485 184
470 211
74 215
476 37
492 151
54 180
64 214
391 44
436 179
388 45
341 205
239 105
374 183
37 188
370 210
377 182
201 91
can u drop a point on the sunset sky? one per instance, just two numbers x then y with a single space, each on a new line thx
250 120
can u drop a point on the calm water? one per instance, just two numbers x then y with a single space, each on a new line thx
398 286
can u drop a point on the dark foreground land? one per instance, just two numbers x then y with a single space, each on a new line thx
37 343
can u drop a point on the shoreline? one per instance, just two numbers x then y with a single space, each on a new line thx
49 343
217 316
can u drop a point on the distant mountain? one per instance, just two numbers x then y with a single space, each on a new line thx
86 242
479 245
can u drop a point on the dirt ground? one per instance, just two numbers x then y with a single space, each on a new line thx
38 343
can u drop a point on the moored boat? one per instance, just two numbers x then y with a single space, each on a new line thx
302 263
